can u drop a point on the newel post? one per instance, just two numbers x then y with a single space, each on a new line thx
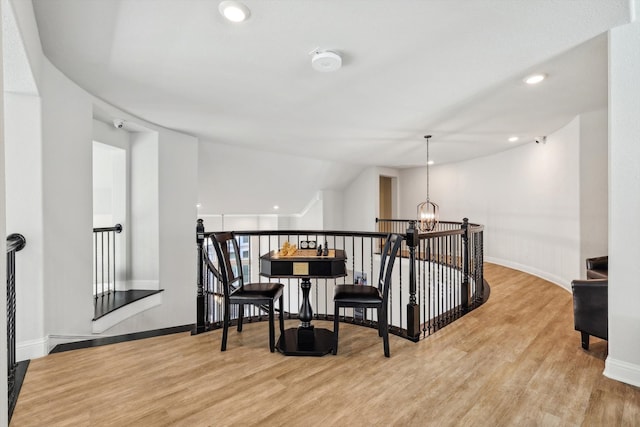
465 265
413 309
200 324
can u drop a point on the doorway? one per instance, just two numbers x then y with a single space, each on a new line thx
385 210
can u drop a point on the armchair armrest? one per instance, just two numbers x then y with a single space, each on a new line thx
590 307
598 263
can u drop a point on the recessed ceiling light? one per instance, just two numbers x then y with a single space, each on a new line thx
276 207
234 11
430 162
534 79
198 205
513 139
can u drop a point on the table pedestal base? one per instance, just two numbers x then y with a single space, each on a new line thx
305 342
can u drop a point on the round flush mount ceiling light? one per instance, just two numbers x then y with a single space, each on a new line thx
534 79
234 11
326 61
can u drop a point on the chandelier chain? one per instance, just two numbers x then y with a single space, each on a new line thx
428 137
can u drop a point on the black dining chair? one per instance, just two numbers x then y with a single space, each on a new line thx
236 291
363 296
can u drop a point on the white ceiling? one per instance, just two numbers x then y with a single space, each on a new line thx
450 68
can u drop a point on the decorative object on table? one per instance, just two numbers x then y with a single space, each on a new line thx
236 291
357 296
428 212
325 251
307 244
288 249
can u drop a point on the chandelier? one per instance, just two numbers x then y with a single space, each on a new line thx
428 211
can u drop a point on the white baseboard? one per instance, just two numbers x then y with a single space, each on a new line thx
129 310
622 371
32 349
534 271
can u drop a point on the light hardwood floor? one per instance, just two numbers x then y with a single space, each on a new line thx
516 361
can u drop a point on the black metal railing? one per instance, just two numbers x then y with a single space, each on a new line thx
449 275
438 278
400 226
15 243
104 256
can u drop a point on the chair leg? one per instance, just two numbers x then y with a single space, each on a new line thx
225 328
585 340
272 332
382 320
240 316
336 323
281 315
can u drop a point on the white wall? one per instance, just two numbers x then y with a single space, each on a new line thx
527 198
23 148
178 166
109 185
594 180
311 218
242 182
3 267
116 157
107 134
144 211
64 134
110 207
332 209
221 222
361 198
234 180
67 132
623 362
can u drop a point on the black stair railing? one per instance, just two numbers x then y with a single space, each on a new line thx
438 279
104 255
15 243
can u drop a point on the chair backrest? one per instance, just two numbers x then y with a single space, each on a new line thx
229 261
387 260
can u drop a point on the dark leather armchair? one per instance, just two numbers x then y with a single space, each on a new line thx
598 268
590 309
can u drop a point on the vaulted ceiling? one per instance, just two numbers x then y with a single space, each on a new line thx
453 69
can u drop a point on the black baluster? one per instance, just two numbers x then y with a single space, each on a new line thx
465 265
102 260
95 259
413 309
109 261
200 315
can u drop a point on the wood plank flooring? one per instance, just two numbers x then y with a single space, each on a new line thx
516 361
